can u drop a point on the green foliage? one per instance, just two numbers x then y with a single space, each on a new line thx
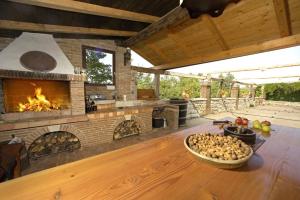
283 91
98 72
215 85
190 86
244 92
219 88
174 87
144 81
169 87
258 91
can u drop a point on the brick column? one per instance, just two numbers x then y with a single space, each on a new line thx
77 97
205 92
235 91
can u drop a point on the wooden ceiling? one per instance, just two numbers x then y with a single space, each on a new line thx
111 19
160 30
248 27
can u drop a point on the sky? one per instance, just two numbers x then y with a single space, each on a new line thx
261 60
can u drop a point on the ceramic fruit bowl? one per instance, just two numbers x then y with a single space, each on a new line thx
220 163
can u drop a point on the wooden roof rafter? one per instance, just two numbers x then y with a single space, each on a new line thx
283 18
258 68
209 23
170 73
91 9
28 26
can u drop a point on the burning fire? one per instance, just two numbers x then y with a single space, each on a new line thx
38 103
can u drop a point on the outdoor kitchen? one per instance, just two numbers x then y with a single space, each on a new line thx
161 99
46 100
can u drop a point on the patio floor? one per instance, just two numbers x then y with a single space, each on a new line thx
286 116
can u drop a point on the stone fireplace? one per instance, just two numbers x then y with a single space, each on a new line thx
45 105
37 80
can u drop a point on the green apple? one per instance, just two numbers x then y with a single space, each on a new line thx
256 125
266 129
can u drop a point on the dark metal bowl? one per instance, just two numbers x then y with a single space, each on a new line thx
246 135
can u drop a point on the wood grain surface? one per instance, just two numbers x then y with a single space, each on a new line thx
163 169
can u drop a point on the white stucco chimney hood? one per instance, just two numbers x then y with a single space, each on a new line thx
29 42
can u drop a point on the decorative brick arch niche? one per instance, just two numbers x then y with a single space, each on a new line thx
127 126
54 139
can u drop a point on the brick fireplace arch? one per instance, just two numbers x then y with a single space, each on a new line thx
138 122
35 133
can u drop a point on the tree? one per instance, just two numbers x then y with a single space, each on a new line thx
169 87
144 81
97 71
283 91
190 86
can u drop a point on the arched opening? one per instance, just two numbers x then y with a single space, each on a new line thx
52 143
127 128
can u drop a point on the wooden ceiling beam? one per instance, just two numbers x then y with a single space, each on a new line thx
212 27
171 20
271 77
27 26
283 18
237 52
147 70
91 9
177 15
262 68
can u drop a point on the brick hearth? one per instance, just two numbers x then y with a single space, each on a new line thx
91 129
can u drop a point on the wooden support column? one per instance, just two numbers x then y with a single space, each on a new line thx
156 82
205 92
252 92
235 91
263 93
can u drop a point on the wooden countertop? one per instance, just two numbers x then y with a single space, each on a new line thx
163 169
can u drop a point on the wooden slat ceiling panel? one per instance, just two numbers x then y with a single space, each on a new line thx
153 7
198 39
247 23
254 25
192 39
294 8
148 53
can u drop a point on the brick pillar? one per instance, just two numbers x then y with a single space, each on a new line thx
77 97
235 91
205 92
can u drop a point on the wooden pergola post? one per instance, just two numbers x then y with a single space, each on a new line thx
235 91
156 83
205 92
263 93
252 92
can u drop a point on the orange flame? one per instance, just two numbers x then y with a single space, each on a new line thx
38 103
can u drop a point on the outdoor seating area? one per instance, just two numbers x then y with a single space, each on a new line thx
161 99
